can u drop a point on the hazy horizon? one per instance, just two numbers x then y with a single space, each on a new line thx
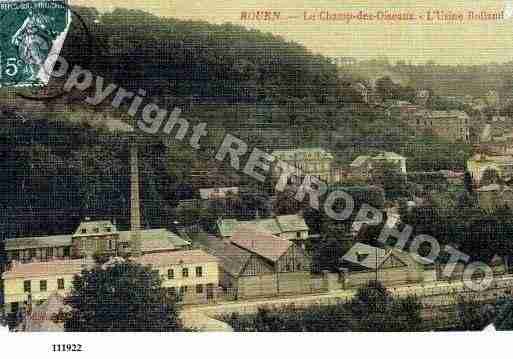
445 42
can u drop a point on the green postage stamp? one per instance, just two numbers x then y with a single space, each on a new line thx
31 36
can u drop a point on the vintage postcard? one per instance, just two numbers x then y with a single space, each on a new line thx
255 166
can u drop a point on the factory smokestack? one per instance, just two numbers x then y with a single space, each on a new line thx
135 211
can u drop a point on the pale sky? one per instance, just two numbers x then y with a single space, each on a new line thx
446 42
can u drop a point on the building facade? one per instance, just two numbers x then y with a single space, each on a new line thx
25 283
291 227
258 264
192 276
90 238
454 126
315 162
478 164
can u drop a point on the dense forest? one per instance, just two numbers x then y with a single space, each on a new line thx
60 165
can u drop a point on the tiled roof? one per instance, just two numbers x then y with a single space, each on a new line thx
227 226
196 256
45 269
232 259
359 161
262 243
366 256
287 223
292 223
159 239
270 225
38 242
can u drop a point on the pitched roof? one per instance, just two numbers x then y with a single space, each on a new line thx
270 225
261 243
232 259
159 239
292 223
277 225
227 226
366 256
359 161
44 269
38 242
195 256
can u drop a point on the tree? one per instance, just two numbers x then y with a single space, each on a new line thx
504 318
472 315
121 297
376 310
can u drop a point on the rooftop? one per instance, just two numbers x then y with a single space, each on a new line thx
159 239
63 240
276 225
46 269
366 256
196 256
264 244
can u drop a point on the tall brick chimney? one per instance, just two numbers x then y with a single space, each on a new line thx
135 211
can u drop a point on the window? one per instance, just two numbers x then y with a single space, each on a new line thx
15 307
170 274
26 286
110 244
32 253
96 230
287 267
49 252
199 288
42 285
107 229
298 266
298 234
185 272
66 252
183 290
60 283
199 272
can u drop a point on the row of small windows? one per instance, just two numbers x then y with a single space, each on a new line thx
185 273
43 285
96 230
42 253
183 290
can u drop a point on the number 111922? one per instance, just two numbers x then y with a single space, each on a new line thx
67 347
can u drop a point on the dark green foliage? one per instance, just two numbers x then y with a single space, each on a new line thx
376 310
373 309
56 173
326 254
473 315
504 318
179 59
123 297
